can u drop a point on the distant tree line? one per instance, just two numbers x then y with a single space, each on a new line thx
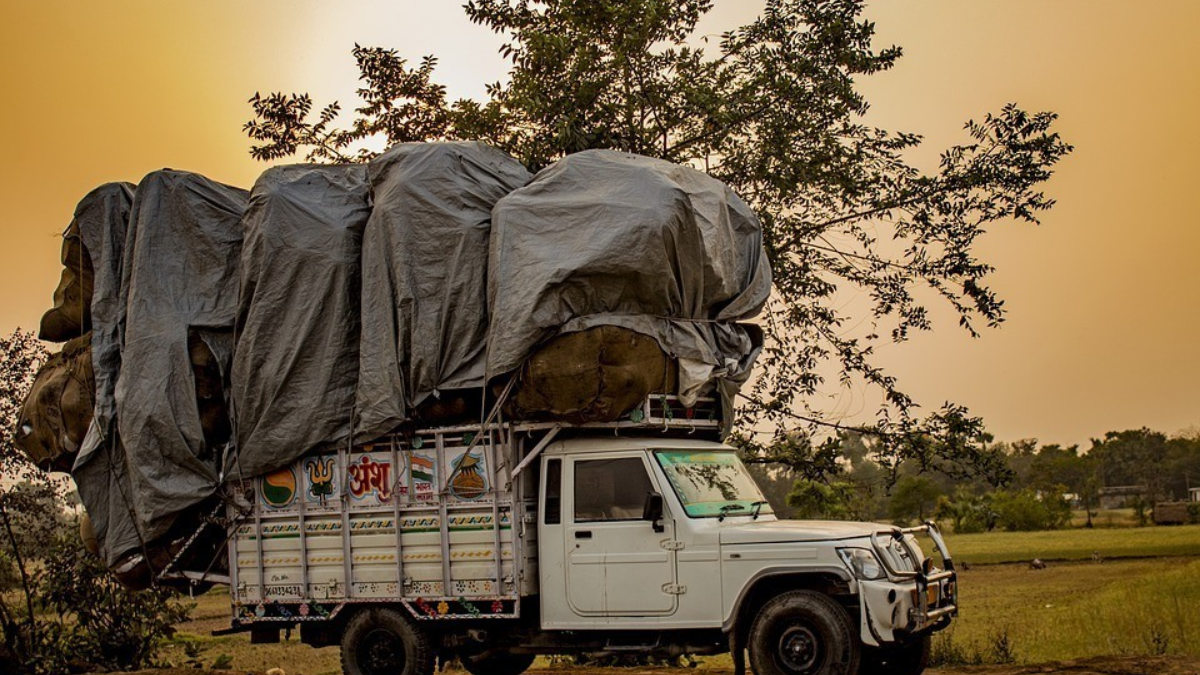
1022 485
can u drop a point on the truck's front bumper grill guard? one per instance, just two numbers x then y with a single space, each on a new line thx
945 581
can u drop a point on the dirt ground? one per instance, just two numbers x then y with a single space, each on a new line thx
1109 665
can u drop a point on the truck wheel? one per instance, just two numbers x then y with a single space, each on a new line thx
381 641
907 659
803 633
497 663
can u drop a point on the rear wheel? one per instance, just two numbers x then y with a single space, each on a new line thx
907 659
497 663
803 633
381 641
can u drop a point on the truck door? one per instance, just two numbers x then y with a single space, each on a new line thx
616 564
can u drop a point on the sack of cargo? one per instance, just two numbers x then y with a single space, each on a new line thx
55 415
594 375
71 315
610 239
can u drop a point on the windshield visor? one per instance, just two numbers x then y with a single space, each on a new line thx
711 483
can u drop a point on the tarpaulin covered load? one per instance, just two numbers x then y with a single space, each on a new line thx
607 277
99 219
84 373
296 361
58 411
424 299
604 238
181 262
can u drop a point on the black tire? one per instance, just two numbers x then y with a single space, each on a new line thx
497 663
380 641
803 633
907 659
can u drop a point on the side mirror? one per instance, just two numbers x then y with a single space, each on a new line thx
653 510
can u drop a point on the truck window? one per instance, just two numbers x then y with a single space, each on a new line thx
553 492
711 484
610 489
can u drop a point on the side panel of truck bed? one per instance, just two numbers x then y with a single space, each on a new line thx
323 531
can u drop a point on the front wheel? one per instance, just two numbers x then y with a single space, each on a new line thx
497 663
380 641
803 633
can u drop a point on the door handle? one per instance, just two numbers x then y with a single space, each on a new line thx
583 534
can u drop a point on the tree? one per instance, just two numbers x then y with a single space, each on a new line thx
914 497
773 110
1181 469
1134 457
25 522
811 499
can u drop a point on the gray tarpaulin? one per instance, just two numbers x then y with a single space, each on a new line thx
609 238
103 218
296 360
181 261
459 283
425 251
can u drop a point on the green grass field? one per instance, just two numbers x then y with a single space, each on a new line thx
1143 598
1077 609
1075 544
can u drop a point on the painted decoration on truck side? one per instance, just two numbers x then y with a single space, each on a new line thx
467 481
278 488
321 479
371 478
423 468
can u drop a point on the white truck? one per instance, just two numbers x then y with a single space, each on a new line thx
494 543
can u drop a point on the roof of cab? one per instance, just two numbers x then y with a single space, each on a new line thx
613 444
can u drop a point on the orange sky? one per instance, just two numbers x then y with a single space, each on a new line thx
1103 301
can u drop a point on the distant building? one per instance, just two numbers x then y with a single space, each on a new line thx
1194 494
1120 496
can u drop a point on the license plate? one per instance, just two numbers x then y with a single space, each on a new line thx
931 595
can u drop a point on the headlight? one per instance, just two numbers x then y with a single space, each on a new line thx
862 562
900 556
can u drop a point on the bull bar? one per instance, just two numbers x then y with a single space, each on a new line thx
921 615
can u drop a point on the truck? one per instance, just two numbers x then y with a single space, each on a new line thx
495 542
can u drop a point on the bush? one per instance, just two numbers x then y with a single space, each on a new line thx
71 613
1026 510
107 624
968 513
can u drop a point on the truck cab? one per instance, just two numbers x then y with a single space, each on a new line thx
673 535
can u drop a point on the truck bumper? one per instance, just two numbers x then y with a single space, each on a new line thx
908 603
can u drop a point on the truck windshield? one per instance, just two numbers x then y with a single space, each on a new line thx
712 484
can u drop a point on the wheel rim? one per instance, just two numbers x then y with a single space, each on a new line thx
381 652
799 650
